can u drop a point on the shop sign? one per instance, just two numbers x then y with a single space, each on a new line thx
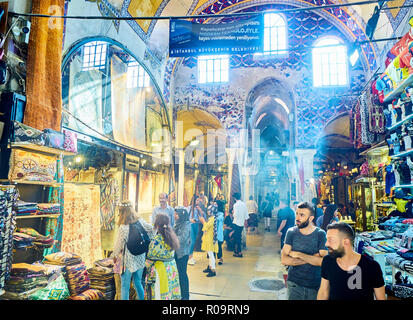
188 38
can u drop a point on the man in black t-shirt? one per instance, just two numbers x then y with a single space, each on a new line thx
345 274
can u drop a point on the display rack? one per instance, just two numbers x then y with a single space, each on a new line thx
398 124
402 154
40 183
45 149
403 85
50 216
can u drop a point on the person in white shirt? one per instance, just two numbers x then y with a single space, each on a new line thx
240 218
252 207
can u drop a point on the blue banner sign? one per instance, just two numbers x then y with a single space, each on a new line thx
188 38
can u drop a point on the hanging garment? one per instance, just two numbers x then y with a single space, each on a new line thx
390 179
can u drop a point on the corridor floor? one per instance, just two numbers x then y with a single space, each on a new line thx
261 260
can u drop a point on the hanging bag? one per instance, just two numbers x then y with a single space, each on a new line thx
138 239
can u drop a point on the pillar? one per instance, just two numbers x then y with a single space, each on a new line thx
181 177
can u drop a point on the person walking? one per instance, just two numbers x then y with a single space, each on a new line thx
182 228
328 217
132 265
162 279
285 219
195 212
345 274
303 252
163 207
229 230
252 207
318 211
210 239
220 229
267 208
240 218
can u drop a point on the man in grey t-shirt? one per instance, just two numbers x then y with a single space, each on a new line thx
303 252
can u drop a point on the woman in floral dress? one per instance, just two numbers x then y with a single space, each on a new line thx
162 279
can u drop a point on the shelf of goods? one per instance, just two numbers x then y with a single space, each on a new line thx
41 183
35 147
400 88
51 216
370 249
402 154
398 124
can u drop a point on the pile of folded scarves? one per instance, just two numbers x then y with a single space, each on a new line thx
22 240
394 224
23 208
62 259
24 280
48 208
79 284
39 240
8 197
102 278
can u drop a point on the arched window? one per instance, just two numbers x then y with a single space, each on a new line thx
275 34
330 66
213 69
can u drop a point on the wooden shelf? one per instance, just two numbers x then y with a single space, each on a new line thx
408 81
40 183
51 216
35 147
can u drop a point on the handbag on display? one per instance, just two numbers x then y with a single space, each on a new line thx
54 139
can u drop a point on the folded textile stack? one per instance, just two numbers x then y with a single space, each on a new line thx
90 294
408 221
39 241
50 270
102 279
55 290
24 280
8 197
25 208
22 240
77 278
62 259
48 208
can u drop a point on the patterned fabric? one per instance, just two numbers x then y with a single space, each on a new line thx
77 279
54 139
54 227
159 249
366 136
161 266
90 294
70 143
55 290
30 166
24 133
62 259
109 197
81 222
8 199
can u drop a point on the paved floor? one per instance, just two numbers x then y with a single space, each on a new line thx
261 260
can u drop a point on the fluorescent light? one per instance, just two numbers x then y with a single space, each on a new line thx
282 103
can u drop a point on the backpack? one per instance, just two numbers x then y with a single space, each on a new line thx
138 239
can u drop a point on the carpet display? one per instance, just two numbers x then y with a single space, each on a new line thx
62 259
8 198
102 279
109 197
81 222
77 279
44 80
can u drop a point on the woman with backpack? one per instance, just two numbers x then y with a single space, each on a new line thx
162 279
132 265
182 229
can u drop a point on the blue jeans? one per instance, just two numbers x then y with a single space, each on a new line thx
297 292
126 278
194 234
